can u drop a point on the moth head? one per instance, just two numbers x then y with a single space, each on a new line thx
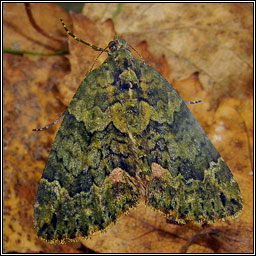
117 44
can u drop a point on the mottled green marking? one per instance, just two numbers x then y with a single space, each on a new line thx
128 136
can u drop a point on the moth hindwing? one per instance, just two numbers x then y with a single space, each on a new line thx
128 136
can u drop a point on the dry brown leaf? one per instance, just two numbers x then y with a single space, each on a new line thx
19 34
31 100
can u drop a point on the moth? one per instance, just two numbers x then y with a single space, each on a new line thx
127 137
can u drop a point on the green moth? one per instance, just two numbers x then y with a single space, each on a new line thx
128 137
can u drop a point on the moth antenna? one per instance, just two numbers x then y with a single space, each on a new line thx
49 125
97 59
137 53
192 102
94 47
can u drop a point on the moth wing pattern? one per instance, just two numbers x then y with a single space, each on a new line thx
190 181
128 136
83 188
